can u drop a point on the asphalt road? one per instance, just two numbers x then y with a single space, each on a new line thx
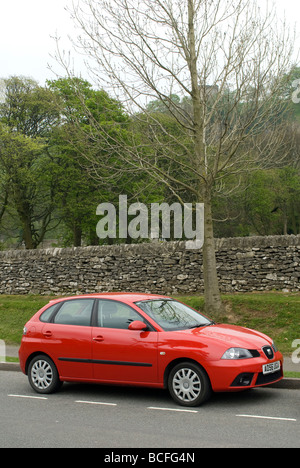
113 417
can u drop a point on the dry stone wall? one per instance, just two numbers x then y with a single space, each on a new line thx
244 264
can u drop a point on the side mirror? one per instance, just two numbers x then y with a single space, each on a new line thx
138 325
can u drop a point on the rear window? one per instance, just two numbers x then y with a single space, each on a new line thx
75 312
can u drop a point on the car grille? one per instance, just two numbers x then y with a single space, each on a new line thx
268 351
268 378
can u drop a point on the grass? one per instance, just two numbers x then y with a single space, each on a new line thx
15 311
292 375
276 314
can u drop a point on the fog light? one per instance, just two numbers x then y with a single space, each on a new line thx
242 380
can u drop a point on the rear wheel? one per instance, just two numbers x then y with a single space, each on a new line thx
188 384
43 375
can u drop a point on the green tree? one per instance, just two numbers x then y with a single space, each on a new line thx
82 185
23 169
28 108
272 201
28 114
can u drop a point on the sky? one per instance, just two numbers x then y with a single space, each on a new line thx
26 28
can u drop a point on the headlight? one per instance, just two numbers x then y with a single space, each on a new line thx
237 353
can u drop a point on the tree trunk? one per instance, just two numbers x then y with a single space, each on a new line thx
23 210
77 235
212 297
27 234
213 303
4 205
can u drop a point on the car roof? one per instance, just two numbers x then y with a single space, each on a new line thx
117 296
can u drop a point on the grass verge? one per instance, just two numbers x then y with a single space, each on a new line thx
276 314
15 311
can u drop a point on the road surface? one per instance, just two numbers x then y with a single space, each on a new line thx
113 417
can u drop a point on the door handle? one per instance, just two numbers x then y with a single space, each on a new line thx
47 334
98 338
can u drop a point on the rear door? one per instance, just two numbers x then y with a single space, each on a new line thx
67 339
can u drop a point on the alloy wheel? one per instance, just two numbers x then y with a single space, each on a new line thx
42 374
186 385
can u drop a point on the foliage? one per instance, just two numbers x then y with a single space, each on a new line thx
60 158
23 169
27 117
80 185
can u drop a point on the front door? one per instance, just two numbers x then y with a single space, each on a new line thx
119 354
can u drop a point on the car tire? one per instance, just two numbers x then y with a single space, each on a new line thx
189 384
43 376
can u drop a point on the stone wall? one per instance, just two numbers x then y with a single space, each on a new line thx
244 264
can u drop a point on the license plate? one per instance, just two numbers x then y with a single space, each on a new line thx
272 367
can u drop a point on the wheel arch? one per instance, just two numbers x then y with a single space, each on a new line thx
33 355
174 363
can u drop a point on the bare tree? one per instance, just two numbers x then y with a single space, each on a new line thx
226 57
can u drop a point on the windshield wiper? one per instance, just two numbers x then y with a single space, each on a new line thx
201 325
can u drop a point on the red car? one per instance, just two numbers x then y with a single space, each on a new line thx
143 340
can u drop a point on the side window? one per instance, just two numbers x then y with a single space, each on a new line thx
75 312
113 314
46 315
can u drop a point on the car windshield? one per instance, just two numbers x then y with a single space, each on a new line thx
173 315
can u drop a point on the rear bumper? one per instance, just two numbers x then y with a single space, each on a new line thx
23 359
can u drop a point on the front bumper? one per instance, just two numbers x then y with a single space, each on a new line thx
235 375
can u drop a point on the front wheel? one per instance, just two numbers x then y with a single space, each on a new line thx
188 384
43 375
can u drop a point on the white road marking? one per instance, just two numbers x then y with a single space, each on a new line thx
95 403
157 408
171 409
28 396
264 417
